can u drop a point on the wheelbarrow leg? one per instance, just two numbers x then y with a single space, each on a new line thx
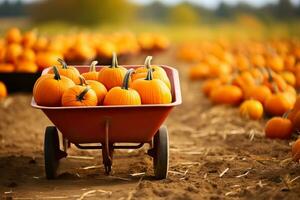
107 150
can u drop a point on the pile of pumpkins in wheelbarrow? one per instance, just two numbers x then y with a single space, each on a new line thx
107 106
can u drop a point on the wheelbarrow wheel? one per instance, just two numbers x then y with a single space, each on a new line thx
161 153
51 152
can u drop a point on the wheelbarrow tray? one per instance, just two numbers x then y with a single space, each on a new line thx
127 124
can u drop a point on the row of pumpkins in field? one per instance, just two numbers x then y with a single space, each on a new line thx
30 52
260 77
111 85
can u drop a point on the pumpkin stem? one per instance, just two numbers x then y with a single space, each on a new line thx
56 73
114 63
80 97
149 75
148 62
126 79
93 66
63 63
270 74
286 114
82 81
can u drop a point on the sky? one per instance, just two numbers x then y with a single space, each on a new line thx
211 4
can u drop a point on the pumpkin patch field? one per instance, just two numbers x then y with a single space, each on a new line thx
130 100
218 144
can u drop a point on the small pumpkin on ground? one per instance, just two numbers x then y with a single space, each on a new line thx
48 89
279 127
226 94
112 76
252 109
278 104
92 74
158 72
210 85
123 95
152 91
79 96
3 91
198 71
296 151
68 71
260 93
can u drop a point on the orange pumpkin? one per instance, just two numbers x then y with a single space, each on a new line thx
123 95
13 35
40 44
296 151
152 91
226 94
158 72
274 81
258 60
278 127
112 76
13 51
3 91
276 63
7 67
289 77
46 59
27 55
210 85
198 71
68 71
99 89
278 104
260 93
49 89
26 66
297 76
29 39
79 96
92 74
252 109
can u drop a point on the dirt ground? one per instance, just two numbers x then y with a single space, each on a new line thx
214 154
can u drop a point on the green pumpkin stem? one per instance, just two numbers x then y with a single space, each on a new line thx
125 85
93 66
80 97
63 63
82 81
114 63
149 75
286 114
56 73
148 62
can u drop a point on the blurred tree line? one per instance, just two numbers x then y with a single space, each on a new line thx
90 12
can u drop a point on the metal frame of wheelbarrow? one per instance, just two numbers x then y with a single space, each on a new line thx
157 138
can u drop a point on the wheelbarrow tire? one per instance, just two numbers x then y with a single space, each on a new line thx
161 153
51 151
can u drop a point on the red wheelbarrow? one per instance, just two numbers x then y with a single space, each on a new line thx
112 127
